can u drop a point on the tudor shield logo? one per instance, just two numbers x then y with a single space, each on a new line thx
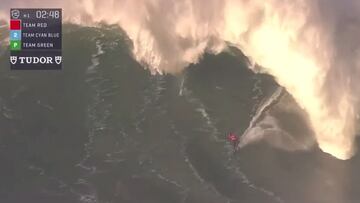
36 62
58 59
13 60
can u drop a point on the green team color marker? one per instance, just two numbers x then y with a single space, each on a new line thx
15 45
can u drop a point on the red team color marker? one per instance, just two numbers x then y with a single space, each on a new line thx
15 24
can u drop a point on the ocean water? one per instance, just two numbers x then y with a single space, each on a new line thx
104 130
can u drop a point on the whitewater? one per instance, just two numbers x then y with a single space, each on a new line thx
311 47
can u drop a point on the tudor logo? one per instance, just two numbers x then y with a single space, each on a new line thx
58 59
35 60
13 59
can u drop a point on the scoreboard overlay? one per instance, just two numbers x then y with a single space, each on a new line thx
36 39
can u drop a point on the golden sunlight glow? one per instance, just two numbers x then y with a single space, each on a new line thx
289 38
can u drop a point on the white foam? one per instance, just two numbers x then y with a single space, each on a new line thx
311 47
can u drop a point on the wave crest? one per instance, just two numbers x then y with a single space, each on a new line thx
311 47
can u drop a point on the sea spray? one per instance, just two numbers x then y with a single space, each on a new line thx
311 47
248 138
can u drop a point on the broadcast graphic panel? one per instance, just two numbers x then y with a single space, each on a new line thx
35 39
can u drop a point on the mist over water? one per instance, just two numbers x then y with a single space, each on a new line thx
311 47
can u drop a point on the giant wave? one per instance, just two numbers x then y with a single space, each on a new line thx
311 47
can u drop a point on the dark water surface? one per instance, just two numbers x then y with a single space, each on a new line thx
105 130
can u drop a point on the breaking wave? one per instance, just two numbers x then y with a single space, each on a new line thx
311 47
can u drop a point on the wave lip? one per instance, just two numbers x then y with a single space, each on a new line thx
311 47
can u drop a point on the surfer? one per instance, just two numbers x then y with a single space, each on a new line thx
233 139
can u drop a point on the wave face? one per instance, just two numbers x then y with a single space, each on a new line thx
311 47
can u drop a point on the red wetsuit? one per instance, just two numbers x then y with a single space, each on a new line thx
233 138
